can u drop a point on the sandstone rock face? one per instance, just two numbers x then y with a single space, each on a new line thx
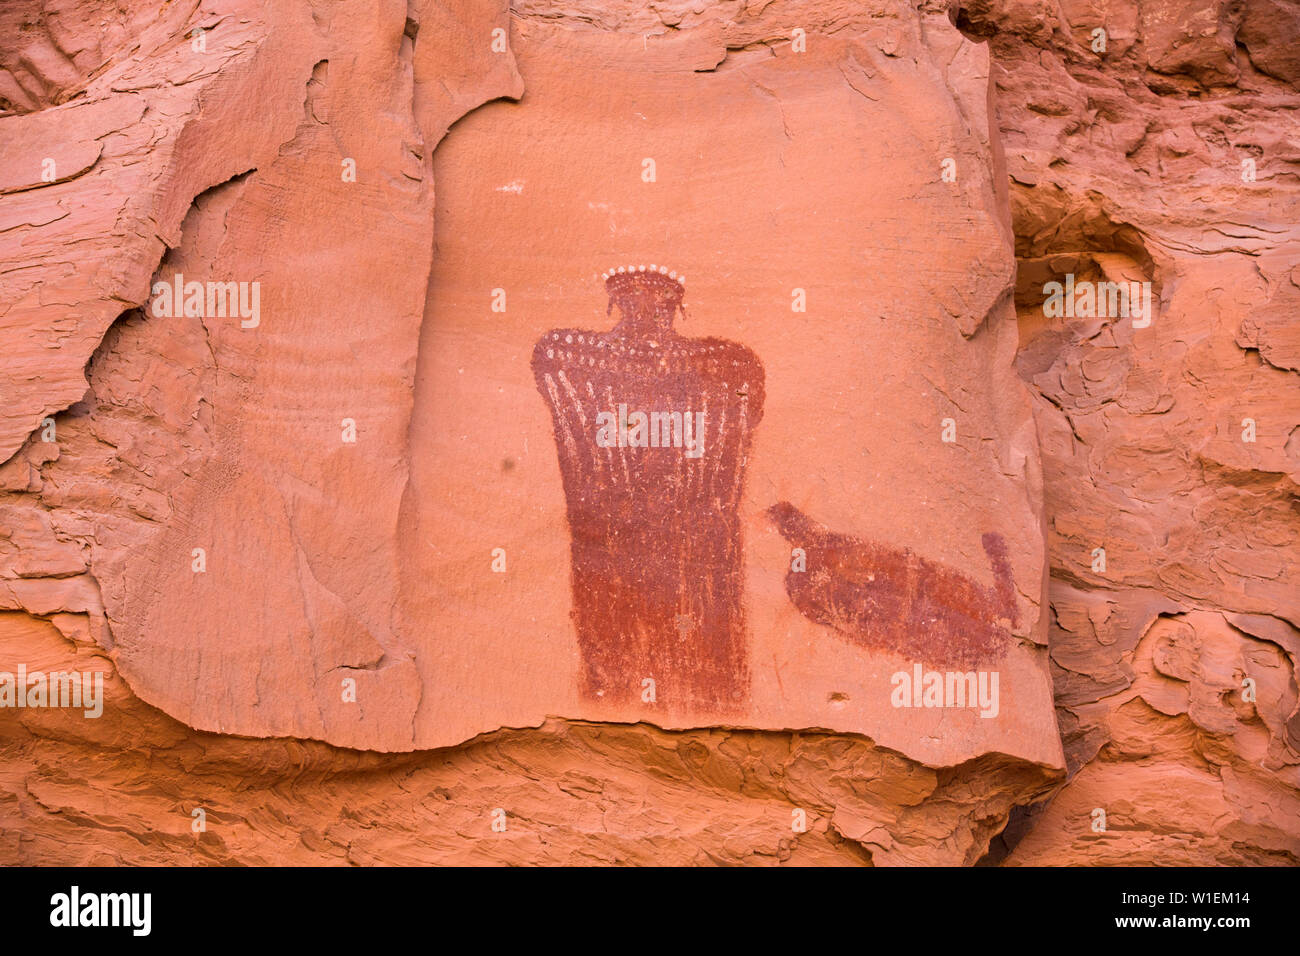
1174 447
379 565
764 217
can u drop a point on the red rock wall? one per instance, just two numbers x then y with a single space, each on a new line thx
514 160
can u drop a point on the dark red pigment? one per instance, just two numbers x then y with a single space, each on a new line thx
894 599
655 534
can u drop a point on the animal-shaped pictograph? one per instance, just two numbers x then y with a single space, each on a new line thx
894 599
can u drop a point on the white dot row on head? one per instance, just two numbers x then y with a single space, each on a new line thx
662 270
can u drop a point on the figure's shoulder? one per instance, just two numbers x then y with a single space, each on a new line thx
726 347
558 338
726 353
557 345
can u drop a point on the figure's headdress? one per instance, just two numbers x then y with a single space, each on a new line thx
655 283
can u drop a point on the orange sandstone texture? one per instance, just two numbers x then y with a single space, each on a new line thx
348 670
